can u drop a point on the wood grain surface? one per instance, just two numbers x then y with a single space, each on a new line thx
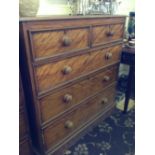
78 117
100 33
53 105
64 62
48 24
48 43
50 75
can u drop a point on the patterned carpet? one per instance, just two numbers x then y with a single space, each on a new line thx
114 136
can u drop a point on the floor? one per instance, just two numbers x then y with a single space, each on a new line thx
113 136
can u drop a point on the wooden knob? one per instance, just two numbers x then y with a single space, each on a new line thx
106 78
67 98
66 41
67 70
108 55
69 124
104 101
110 34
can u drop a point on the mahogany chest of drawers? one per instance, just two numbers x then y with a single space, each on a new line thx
70 67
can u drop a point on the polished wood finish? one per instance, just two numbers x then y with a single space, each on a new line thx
57 131
103 34
52 42
54 104
70 67
52 74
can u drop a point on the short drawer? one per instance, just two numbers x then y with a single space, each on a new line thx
48 43
61 101
53 74
107 33
23 129
78 117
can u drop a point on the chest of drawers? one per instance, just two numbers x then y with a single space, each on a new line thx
70 67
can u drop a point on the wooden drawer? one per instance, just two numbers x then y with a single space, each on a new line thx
53 105
103 34
23 129
64 126
50 75
25 147
47 43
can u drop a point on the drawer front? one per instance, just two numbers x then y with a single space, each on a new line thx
107 33
66 98
53 74
22 125
47 43
67 124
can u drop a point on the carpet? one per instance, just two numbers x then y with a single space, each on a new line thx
113 136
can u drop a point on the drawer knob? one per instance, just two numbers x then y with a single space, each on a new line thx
67 70
106 78
67 98
108 55
66 41
110 34
69 124
104 101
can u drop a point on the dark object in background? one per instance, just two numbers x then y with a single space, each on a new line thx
122 83
122 87
131 25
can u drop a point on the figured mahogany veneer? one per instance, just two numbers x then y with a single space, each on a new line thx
105 33
69 66
53 105
58 130
52 74
52 42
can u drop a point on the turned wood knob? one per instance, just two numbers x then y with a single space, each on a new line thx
104 101
67 70
69 124
108 55
110 34
66 41
106 78
67 98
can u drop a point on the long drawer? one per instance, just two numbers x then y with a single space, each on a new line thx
65 126
53 74
61 101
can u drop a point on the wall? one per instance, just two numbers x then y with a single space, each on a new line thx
59 7
53 7
126 6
